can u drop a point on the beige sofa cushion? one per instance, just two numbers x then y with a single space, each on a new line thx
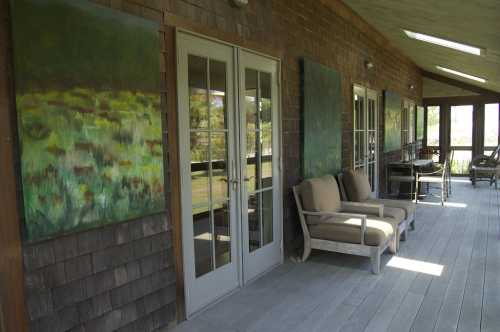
397 214
357 186
320 194
377 231
408 207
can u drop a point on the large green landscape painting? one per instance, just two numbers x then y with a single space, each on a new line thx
88 105
392 121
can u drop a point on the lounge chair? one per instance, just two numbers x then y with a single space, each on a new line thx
355 187
485 168
346 227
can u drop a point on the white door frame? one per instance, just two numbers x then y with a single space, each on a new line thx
261 260
203 43
208 284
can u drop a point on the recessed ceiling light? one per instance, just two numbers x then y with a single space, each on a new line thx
459 73
443 42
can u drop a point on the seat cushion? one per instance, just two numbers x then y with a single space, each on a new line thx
408 207
357 186
395 213
320 194
377 231
433 179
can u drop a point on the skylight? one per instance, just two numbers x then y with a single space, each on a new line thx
443 42
459 73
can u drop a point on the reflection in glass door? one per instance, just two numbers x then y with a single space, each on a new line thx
259 164
208 172
365 134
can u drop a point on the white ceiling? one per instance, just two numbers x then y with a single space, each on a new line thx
473 22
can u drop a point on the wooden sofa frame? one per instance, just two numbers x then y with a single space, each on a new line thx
359 249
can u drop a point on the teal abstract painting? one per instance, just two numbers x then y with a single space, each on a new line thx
321 120
392 121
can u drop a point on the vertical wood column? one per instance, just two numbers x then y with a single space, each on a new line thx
478 130
173 156
444 130
13 312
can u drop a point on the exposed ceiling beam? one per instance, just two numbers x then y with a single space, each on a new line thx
460 84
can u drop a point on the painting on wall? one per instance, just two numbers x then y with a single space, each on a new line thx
420 122
88 105
392 123
321 120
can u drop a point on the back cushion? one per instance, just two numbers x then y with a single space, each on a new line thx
356 185
320 194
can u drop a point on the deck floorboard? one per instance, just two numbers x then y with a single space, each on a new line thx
335 292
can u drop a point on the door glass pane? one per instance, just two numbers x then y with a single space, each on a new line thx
360 147
251 159
267 158
359 104
222 234
252 123
265 101
254 221
371 175
433 125
371 114
491 119
217 95
267 216
219 167
371 146
200 177
359 130
198 106
209 163
411 124
203 241
251 98
461 125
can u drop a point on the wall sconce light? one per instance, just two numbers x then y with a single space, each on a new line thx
411 87
240 3
368 65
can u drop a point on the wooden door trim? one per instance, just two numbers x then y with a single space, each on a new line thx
174 168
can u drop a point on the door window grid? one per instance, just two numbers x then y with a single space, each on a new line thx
359 130
365 133
259 108
210 134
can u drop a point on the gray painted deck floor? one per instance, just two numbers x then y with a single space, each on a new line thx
334 292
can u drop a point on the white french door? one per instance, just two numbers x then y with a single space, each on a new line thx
259 137
366 102
230 176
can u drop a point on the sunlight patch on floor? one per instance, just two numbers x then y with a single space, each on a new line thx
446 204
416 266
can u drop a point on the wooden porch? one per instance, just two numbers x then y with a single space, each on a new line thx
445 278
